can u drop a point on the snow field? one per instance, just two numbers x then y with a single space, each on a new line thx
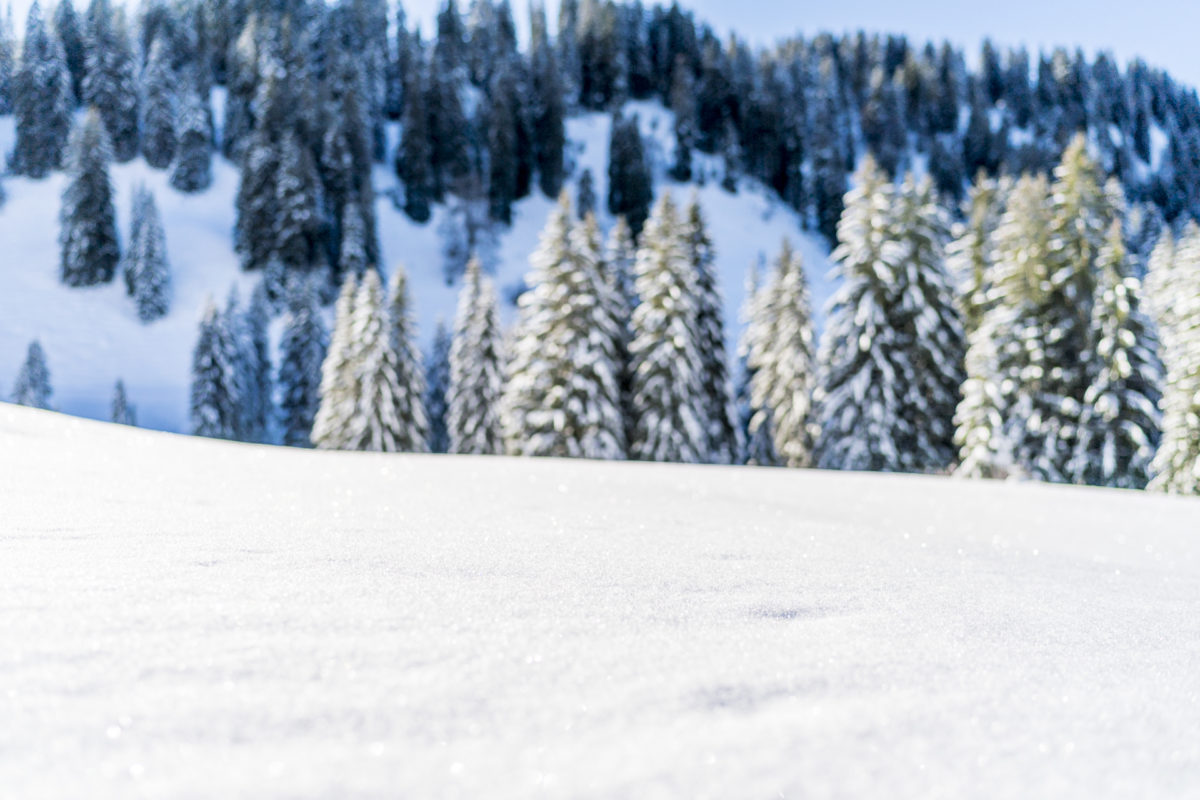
187 618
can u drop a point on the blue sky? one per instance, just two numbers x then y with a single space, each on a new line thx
1163 32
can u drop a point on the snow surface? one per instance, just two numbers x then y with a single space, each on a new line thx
92 337
189 619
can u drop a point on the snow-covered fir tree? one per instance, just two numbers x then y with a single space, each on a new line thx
620 259
122 412
780 357
718 412
630 186
158 107
339 377
862 393
109 80
476 369
1174 291
301 354
1121 423
562 394
42 101
147 274
33 380
999 419
192 170
8 60
88 236
437 383
667 399
257 384
352 252
413 434
968 256
216 406
67 29
927 317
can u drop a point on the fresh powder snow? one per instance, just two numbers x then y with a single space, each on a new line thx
189 618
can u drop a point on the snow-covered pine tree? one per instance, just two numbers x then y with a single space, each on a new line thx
414 153
33 381
437 382
630 186
413 434
476 369
925 314
66 28
718 413
339 376
968 256
158 107
296 219
8 60
42 101
109 82
758 436
1174 284
620 259
549 106
215 403
301 354
781 360
88 236
667 389
562 394
375 423
192 170
1120 424
352 252
122 411
1080 217
147 275
259 390
1000 416
585 194
863 389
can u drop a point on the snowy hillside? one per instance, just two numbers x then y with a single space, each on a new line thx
93 336
391 626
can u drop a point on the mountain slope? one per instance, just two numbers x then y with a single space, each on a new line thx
93 336
190 618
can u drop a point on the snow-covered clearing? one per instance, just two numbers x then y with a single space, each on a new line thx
185 618
92 337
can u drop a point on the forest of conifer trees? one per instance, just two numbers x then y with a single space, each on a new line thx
1017 261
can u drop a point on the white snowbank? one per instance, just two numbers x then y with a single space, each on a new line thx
183 618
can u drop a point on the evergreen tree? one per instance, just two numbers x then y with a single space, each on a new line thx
718 413
1174 284
8 61
892 355
758 435
585 194
192 170
630 188
1121 423
413 434
352 253
437 383
969 256
33 381
88 235
339 375
620 260
301 354
42 101
147 276
66 27
158 108
415 154
667 393
780 357
215 400
257 401
109 83
549 106
683 106
1000 415
123 412
476 379
562 395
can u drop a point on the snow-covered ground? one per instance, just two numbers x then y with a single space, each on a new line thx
190 619
92 337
